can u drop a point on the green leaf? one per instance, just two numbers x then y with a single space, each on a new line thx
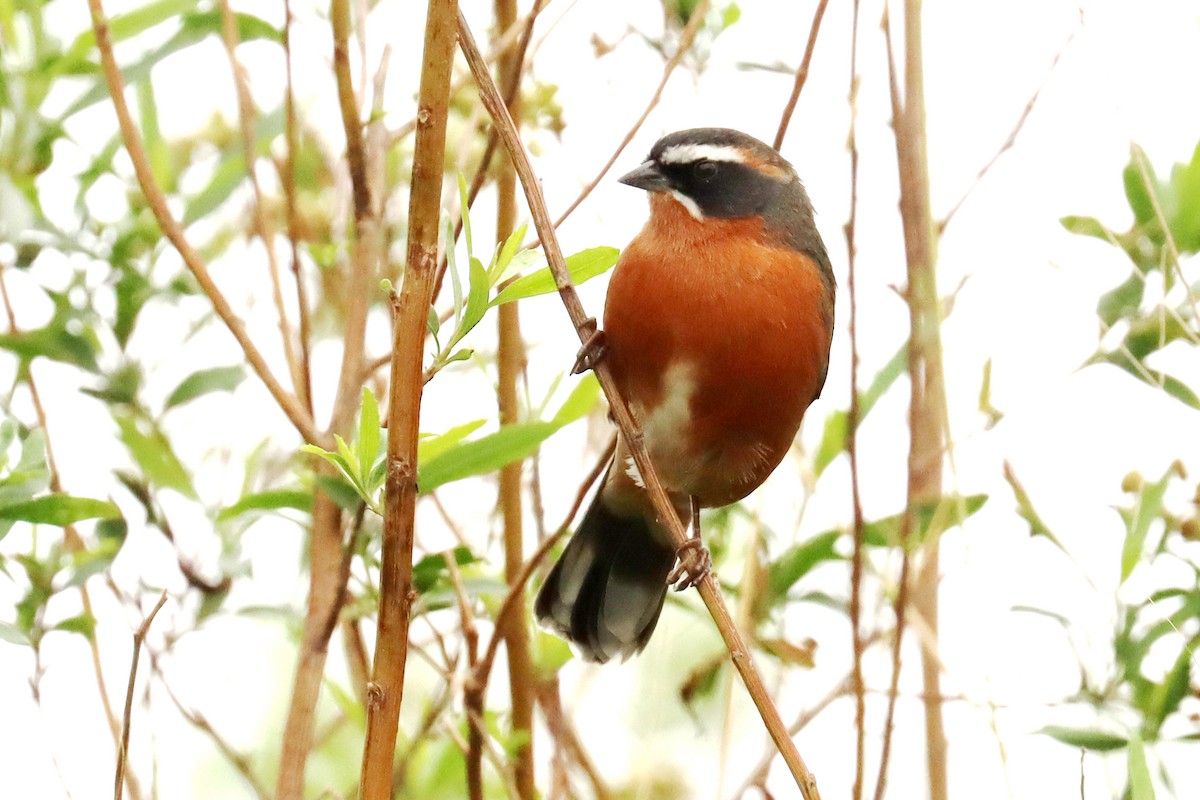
59 510
340 492
1088 226
1147 508
796 562
583 266
932 519
1086 738
228 176
477 305
580 402
12 634
274 500
1037 527
505 254
1123 301
153 454
1166 696
56 343
452 268
206 381
465 207
430 569
1141 787
84 623
431 447
837 424
368 434
487 454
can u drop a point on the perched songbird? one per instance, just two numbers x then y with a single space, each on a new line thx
717 330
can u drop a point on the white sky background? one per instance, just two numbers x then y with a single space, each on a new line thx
1028 304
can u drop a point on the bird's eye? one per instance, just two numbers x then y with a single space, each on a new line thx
704 170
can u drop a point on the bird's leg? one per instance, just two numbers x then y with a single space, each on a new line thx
594 348
694 562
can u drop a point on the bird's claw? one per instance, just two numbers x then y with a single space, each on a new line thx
594 348
693 565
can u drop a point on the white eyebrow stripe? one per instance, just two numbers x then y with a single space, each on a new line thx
690 153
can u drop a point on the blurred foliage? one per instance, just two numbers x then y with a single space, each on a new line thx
1141 703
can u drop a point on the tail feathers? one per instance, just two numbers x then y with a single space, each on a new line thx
607 590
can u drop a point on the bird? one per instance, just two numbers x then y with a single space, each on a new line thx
718 324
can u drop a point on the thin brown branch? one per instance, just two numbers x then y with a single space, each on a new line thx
564 733
410 314
262 222
686 36
288 402
709 588
197 720
339 15
472 690
1019 126
123 751
802 72
758 775
288 181
853 418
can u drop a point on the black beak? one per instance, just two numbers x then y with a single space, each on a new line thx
647 177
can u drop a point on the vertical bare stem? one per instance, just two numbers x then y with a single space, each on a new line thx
288 181
411 309
927 407
511 358
853 417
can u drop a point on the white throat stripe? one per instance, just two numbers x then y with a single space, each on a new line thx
691 153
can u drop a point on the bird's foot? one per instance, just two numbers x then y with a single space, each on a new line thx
693 565
594 348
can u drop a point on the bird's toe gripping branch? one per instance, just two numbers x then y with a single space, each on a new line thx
594 348
693 565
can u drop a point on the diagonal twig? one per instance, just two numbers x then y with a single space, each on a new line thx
685 42
802 72
123 752
171 228
709 589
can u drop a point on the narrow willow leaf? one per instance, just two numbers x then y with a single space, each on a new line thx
368 434
582 266
206 381
796 562
505 254
487 454
581 401
12 634
154 456
1138 520
1086 738
465 207
273 500
1141 786
431 447
59 510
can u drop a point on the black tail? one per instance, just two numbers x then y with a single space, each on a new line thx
607 590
